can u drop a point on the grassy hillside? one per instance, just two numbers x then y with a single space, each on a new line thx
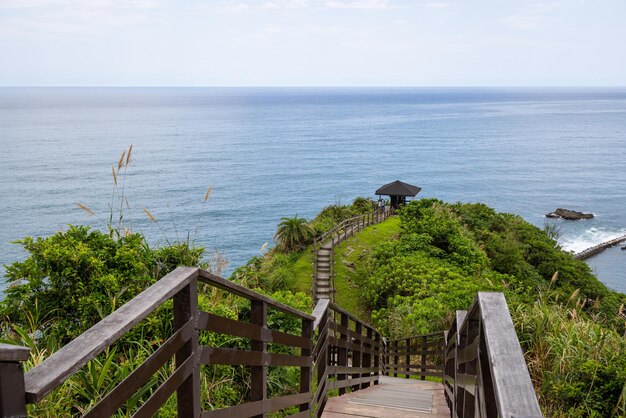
569 324
348 256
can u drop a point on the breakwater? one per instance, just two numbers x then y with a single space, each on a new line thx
596 249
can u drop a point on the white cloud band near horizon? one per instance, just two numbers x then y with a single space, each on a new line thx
312 43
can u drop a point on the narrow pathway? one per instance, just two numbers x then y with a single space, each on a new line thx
324 269
322 274
393 397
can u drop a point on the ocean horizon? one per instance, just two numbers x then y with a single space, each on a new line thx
268 153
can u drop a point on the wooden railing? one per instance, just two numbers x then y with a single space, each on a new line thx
348 353
419 356
349 227
338 234
485 373
337 336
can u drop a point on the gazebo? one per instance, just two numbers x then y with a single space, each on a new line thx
398 192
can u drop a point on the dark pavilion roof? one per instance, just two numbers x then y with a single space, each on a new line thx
398 188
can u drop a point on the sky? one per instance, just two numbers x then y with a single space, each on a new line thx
312 43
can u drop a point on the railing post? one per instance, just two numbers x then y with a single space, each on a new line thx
258 374
12 392
305 372
407 358
377 353
367 357
356 354
322 359
342 360
396 359
423 376
185 309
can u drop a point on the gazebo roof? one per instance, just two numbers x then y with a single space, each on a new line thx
398 188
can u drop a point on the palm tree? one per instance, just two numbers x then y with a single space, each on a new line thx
293 234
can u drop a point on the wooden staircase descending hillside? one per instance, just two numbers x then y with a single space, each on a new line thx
323 253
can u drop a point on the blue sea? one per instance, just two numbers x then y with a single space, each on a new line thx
274 152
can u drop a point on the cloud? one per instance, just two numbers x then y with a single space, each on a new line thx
532 16
437 5
357 4
521 22
51 18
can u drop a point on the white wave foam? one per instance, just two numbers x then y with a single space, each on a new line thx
589 238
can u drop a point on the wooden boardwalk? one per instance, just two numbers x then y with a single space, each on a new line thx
393 397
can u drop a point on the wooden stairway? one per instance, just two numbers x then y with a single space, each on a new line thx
323 254
324 262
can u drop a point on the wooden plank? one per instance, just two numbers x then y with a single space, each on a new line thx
162 394
220 324
186 309
349 369
468 353
53 371
244 292
467 382
349 382
122 392
13 353
320 308
338 308
344 330
513 388
257 407
306 372
258 373
349 345
12 402
236 357
403 371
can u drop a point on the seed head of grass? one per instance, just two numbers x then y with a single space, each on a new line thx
85 208
130 151
149 215
208 193
121 161
114 176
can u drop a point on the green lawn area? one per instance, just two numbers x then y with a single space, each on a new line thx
352 251
302 270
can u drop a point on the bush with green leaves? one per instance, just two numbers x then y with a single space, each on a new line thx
76 277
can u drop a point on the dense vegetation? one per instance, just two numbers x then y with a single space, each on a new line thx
407 275
76 277
570 325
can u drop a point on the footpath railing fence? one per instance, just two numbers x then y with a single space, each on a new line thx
418 356
485 373
338 234
484 367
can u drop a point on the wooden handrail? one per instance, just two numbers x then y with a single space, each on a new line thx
485 372
340 336
62 364
484 375
339 233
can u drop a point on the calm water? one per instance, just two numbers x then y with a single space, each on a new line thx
269 153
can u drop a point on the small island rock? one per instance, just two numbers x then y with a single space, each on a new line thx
569 214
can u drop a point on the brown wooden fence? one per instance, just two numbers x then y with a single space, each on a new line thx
336 235
485 374
326 340
419 356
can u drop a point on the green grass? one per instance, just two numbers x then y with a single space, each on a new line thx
352 251
302 271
